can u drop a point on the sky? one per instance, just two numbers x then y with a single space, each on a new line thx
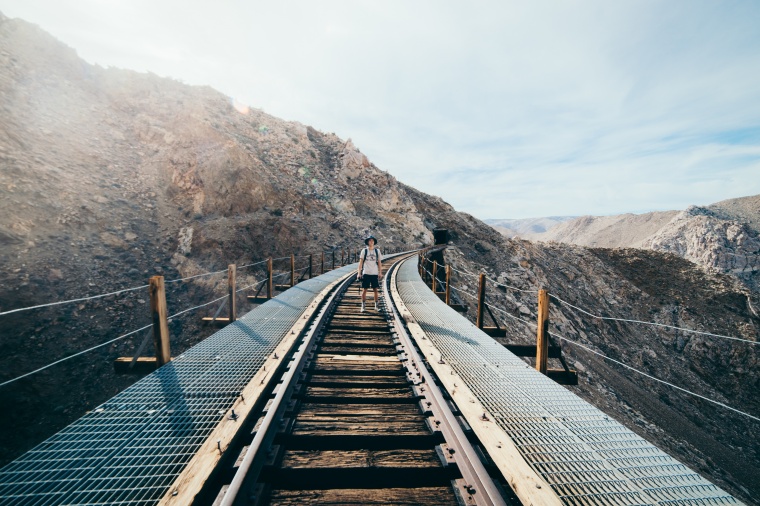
504 109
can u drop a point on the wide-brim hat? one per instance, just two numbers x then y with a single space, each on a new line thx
366 241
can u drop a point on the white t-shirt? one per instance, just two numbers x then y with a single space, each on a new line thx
370 262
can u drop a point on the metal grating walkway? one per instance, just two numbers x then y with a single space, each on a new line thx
586 457
130 449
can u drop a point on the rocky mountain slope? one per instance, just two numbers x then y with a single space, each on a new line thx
724 236
108 177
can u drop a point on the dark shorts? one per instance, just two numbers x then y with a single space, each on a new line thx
369 280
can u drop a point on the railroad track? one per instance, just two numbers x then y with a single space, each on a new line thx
355 419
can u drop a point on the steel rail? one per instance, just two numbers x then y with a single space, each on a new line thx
471 467
273 412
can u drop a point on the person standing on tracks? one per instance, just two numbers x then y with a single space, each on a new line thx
370 268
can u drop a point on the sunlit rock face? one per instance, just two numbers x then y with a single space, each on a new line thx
703 237
724 237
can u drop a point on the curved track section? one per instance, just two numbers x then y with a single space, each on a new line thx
521 417
356 419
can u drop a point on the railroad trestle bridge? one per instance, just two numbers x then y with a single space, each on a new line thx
307 400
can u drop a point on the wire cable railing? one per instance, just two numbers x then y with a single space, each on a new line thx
475 297
74 355
141 287
561 301
672 327
278 276
74 300
562 338
718 403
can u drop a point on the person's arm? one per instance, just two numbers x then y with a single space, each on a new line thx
379 265
361 266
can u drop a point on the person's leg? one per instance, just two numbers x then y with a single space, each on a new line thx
376 298
364 298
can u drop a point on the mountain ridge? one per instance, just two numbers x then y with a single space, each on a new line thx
724 236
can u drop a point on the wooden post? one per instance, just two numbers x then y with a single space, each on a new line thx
342 257
269 278
419 264
435 267
322 270
231 271
542 337
333 263
448 285
292 270
481 300
160 324
311 265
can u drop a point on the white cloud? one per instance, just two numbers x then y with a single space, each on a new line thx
504 109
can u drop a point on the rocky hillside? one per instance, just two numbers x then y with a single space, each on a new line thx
724 236
108 177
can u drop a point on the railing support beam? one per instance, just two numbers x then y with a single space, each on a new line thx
448 285
481 300
160 323
542 336
269 278
231 272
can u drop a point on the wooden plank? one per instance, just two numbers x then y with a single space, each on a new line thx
364 359
220 321
342 409
359 318
528 485
357 349
495 331
360 392
344 340
563 377
365 497
338 367
529 350
360 426
143 365
191 480
339 459
323 379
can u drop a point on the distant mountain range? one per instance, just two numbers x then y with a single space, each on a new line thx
527 227
724 236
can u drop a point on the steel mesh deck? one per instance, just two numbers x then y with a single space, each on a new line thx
586 457
130 449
